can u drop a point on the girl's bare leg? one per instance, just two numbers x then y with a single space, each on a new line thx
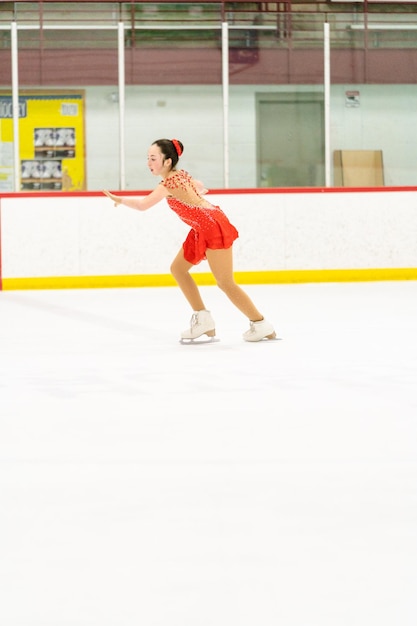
180 270
221 265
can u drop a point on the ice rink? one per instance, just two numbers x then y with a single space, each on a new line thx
147 483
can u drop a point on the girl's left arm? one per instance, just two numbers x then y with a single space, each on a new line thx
200 187
140 204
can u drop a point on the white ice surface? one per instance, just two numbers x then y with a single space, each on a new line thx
147 483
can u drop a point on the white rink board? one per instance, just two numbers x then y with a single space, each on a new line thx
85 235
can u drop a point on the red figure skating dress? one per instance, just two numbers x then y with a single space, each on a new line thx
210 228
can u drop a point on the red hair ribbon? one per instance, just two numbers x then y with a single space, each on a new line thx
177 147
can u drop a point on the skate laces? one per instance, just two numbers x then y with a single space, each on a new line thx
194 320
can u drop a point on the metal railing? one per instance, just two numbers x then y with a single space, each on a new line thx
46 24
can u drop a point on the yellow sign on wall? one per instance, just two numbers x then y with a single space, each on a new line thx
51 139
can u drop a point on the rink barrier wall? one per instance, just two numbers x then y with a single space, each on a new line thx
1 273
56 240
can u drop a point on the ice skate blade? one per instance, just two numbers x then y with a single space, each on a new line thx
198 341
267 339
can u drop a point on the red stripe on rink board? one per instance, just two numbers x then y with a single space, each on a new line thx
236 191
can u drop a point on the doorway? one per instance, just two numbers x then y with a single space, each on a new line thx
290 140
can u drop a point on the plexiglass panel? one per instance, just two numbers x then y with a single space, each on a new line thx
242 84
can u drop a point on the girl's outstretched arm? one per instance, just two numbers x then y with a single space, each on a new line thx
140 204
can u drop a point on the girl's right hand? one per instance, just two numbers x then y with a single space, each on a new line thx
116 199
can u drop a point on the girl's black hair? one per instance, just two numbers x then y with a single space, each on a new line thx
168 149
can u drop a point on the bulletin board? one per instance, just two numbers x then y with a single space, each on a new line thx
51 140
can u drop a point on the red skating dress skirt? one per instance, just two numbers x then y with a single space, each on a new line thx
210 227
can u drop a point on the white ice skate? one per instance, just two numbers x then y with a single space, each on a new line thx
56 170
60 137
39 137
37 169
70 137
46 169
49 137
259 330
26 169
201 324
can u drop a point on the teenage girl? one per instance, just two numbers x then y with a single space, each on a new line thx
211 237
